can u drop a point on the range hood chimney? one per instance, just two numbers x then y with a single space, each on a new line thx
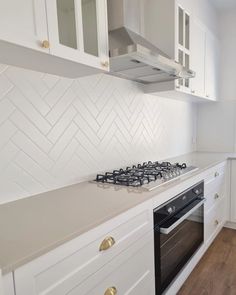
132 56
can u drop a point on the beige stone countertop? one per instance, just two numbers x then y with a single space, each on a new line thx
33 226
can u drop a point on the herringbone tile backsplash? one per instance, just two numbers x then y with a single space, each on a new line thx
56 131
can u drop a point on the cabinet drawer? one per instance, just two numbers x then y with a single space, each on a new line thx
214 192
214 219
132 272
215 174
50 275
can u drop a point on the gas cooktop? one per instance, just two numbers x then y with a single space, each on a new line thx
148 175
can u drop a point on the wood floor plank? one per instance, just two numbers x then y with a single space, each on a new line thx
215 273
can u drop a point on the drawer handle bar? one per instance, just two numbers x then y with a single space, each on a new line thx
111 291
216 196
107 243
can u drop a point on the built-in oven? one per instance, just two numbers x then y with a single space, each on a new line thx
178 233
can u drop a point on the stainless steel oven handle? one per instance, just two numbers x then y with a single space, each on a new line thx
166 231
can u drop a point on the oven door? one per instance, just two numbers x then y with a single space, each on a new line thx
176 241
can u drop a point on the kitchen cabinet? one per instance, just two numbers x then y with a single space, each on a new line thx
116 254
67 38
215 214
233 192
211 66
190 43
197 64
24 23
78 31
7 284
170 30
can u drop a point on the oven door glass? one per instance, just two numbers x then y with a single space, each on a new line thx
177 240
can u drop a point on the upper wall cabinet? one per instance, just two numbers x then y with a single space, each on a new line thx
211 67
78 31
198 44
179 33
64 37
24 23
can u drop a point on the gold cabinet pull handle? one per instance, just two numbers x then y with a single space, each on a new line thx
216 222
217 174
216 196
107 243
111 291
45 44
105 64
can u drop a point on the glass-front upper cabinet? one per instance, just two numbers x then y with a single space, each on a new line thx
183 43
78 31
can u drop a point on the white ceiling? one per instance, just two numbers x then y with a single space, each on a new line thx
224 4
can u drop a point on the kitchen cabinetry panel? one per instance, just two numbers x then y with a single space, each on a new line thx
131 273
78 31
193 45
198 42
233 192
214 220
24 23
68 38
7 287
63 269
211 67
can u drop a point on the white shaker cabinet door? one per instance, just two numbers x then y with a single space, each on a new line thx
78 31
233 191
211 67
24 23
198 41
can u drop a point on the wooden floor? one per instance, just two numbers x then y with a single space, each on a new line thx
215 274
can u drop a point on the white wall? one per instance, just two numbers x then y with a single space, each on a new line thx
55 131
217 121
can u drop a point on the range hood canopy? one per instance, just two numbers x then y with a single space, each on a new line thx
135 58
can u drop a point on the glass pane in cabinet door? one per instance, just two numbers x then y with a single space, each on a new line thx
181 61
187 66
181 26
187 30
89 16
67 23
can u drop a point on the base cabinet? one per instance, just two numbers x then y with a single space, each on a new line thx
118 254
130 273
233 192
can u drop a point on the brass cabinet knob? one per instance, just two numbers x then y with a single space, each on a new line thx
45 44
216 196
107 243
105 64
111 291
216 222
217 174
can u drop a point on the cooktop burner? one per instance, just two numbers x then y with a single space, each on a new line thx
148 175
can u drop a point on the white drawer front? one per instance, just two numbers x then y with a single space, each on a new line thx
67 272
214 219
214 192
215 173
131 273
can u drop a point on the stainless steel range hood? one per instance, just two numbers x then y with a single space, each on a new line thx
133 57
